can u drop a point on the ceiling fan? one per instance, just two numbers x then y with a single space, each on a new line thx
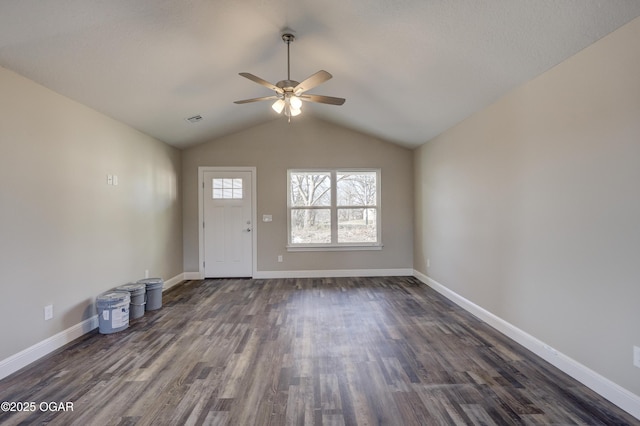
289 93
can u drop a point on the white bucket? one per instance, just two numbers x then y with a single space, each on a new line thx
113 311
137 292
154 292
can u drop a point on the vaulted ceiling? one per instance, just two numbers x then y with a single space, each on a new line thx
409 69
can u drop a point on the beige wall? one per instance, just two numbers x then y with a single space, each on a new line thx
531 207
65 235
276 146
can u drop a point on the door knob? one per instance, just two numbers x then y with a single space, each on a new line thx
248 229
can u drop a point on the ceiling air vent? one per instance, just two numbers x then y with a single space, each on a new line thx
194 119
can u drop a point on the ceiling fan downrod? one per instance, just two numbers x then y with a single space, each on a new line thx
288 38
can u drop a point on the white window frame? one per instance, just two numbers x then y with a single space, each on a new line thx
335 245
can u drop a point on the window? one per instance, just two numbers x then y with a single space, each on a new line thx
227 189
334 209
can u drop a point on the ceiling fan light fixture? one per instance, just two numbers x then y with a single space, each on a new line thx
294 111
295 102
278 106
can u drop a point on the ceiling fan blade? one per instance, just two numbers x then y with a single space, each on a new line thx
264 98
258 80
323 99
311 82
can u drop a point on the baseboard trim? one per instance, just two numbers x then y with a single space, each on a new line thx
23 358
173 281
33 353
613 392
334 273
319 273
192 276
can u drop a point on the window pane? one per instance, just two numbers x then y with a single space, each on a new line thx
357 226
310 189
227 188
311 226
356 189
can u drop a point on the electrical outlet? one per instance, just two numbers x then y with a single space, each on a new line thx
146 273
636 356
279 258
109 179
48 312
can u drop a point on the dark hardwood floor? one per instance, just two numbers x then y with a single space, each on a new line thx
343 351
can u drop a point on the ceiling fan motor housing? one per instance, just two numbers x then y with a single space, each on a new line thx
287 85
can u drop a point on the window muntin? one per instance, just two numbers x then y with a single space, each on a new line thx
334 208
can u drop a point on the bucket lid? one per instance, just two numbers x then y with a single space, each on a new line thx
154 286
151 281
131 287
114 297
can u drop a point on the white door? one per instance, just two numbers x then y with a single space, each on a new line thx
227 224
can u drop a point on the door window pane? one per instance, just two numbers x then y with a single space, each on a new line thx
227 189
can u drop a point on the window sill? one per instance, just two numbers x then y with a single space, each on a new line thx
335 247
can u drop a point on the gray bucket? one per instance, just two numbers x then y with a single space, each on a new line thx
154 292
113 311
138 296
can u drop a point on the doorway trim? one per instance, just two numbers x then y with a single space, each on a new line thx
254 237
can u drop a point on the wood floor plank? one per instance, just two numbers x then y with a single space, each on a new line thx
319 351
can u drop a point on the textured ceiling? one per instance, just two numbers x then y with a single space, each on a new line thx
409 69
